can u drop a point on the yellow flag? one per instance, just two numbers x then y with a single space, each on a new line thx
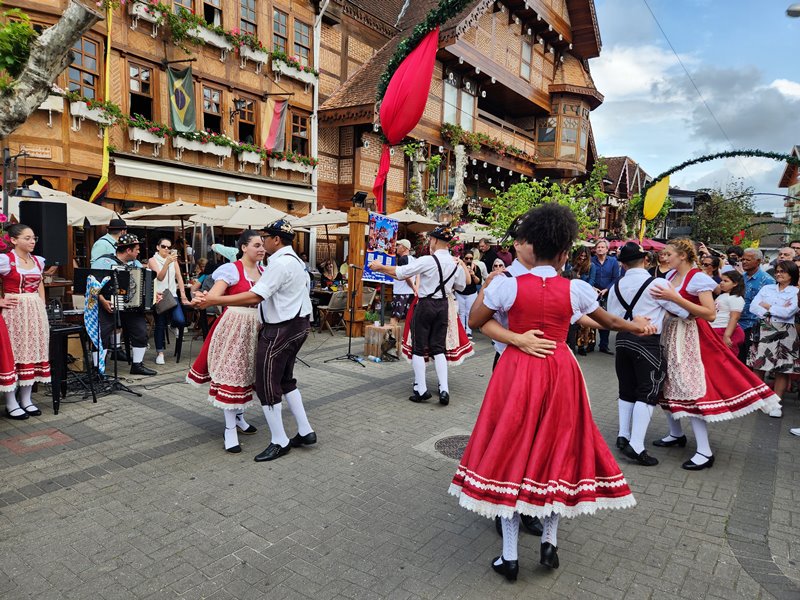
102 185
655 197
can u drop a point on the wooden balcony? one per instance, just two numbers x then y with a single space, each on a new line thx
507 133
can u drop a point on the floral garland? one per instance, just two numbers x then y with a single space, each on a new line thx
291 156
473 141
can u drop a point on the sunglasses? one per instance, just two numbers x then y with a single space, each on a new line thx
467 260
708 264
165 247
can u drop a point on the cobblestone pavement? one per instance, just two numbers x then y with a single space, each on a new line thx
135 498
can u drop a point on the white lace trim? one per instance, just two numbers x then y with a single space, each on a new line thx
536 487
765 405
229 406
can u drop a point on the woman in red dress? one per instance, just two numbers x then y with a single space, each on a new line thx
227 359
458 346
705 380
26 320
535 449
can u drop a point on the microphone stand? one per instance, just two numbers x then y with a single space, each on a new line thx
114 385
350 356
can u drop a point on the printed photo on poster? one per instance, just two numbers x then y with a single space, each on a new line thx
381 245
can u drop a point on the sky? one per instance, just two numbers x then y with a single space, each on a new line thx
739 54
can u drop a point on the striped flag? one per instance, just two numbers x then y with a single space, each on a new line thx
276 125
100 191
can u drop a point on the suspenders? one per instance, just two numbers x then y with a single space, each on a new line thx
442 281
629 307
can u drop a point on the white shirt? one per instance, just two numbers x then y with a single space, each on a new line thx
5 264
229 274
399 285
428 273
726 304
516 269
169 282
285 288
646 306
783 303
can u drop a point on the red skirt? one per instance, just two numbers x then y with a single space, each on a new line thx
731 389
457 345
8 371
737 339
535 448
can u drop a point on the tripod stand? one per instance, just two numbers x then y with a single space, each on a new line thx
350 356
115 385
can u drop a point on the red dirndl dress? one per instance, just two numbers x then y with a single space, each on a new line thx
8 371
457 345
227 358
705 379
535 448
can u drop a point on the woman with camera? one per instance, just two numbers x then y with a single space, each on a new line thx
169 282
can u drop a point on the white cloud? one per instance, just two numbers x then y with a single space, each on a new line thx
790 89
633 71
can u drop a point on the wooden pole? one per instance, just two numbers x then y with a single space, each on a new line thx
357 218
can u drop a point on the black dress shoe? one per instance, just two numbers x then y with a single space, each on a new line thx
643 458
249 431
532 524
690 466
444 398
234 449
622 442
549 556
606 351
681 441
508 568
420 398
32 410
272 452
140 369
303 440
19 416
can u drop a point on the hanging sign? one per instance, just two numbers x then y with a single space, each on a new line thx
381 246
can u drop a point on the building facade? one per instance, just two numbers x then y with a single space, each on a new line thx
624 179
790 179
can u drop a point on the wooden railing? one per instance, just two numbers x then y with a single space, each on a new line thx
507 133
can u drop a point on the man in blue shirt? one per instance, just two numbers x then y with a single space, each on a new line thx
754 280
607 273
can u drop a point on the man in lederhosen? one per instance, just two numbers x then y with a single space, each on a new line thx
439 274
639 363
284 310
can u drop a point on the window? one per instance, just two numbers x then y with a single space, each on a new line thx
177 5
212 12
450 109
467 104
212 115
547 130
247 11
300 134
247 122
141 94
280 30
302 42
525 60
84 70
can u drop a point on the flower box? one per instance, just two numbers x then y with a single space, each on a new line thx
80 111
257 56
275 163
250 158
138 135
52 103
281 68
142 11
180 144
213 39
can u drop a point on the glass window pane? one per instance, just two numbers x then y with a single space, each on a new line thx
467 110
547 134
133 71
89 47
569 136
88 92
525 70
90 63
74 74
450 112
145 75
567 152
135 87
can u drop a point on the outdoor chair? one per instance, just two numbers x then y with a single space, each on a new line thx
335 308
368 297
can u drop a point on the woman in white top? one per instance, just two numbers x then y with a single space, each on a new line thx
730 304
774 346
168 277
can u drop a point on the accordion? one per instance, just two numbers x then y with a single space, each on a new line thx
140 293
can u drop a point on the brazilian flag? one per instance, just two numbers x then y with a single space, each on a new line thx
181 99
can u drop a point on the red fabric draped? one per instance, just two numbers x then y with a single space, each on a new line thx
404 102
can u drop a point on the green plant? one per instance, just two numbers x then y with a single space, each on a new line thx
291 156
433 163
16 35
455 135
244 147
292 61
371 315
154 127
411 148
111 111
206 137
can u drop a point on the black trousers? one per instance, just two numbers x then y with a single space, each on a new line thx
278 346
429 327
744 349
133 322
640 368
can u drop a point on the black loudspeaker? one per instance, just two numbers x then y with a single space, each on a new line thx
49 222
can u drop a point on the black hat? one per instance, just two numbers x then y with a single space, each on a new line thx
117 225
126 241
281 228
443 232
630 252
513 229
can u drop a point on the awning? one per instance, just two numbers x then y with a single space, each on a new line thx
125 167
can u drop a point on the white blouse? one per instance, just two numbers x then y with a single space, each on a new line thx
726 304
699 283
5 265
783 304
229 274
502 292
169 282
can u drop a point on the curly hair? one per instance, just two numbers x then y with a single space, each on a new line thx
550 229
686 247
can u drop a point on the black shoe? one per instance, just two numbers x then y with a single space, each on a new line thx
303 440
32 410
19 417
532 524
549 556
272 452
508 568
417 398
140 369
249 431
234 449
606 351
581 351
643 458
590 348
681 441
444 398
622 442
120 355
690 466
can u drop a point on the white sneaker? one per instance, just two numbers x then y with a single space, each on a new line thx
175 332
160 359
776 413
795 431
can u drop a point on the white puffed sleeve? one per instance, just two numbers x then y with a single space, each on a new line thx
227 273
5 264
583 298
500 293
701 283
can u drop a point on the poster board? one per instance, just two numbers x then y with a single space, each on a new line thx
381 246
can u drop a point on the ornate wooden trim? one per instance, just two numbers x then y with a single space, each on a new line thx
566 88
468 22
365 18
349 115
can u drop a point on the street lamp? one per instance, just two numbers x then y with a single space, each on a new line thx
19 192
793 10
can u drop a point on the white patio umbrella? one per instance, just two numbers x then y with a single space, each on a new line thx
472 232
413 220
322 218
79 211
219 215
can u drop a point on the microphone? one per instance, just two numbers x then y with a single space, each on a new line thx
352 266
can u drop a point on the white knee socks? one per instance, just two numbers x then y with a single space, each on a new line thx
275 423
231 437
550 526
701 436
138 354
625 414
418 364
295 402
11 401
510 538
675 429
240 421
24 394
441 372
641 419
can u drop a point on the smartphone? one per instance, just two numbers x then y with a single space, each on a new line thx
173 252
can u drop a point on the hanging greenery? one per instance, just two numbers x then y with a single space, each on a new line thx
436 17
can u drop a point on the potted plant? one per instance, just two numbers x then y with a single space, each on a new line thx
249 154
103 112
215 36
208 142
144 130
283 64
291 161
149 11
373 316
249 48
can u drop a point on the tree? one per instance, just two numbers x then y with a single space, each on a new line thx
725 214
584 199
28 85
